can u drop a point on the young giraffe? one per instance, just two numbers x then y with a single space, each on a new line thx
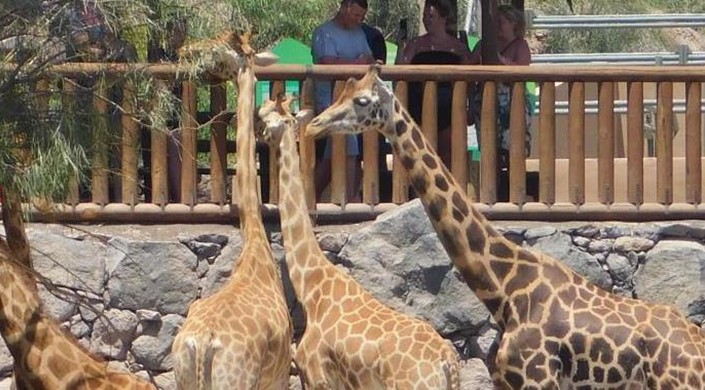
560 331
240 337
45 355
351 340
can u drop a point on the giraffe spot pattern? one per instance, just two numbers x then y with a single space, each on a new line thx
441 183
400 128
430 162
418 140
476 237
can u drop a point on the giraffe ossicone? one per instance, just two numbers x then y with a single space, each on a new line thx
240 337
352 340
559 330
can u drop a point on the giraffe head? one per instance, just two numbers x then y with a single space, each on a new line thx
274 117
365 104
227 54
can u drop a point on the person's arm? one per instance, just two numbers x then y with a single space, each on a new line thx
520 55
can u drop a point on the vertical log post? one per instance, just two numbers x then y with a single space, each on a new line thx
130 145
189 133
307 148
101 145
459 134
605 143
218 144
159 140
338 171
400 182
488 144
664 143
517 144
635 145
693 142
576 139
547 143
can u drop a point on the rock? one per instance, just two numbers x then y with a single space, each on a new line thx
401 262
539 232
632 244
113 333
672 273
152 349
332 242
153 275
474 375
560 247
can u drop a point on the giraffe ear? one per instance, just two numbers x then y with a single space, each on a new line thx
266 58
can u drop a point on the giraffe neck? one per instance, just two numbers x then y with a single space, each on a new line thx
303 254
249 205
38 345
14 228
481 254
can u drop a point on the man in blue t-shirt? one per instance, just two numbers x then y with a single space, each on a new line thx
340 40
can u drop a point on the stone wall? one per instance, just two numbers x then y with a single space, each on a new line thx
123 291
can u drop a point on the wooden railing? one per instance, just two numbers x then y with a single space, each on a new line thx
578 187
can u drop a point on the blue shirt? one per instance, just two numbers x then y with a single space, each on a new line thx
331 40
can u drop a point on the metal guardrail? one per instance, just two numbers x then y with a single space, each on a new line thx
620 106
652 58
614 21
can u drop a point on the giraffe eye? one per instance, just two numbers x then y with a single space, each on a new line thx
362 101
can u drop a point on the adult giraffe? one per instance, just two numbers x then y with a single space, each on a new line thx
351 341
559 330
240 337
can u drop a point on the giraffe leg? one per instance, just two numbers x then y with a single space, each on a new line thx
522 362
311 372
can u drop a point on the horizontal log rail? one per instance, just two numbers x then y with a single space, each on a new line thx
617 181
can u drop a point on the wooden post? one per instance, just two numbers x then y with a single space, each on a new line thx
219 141
159 139
547 143
101 145
693 139
130 145
189 132
664 143
488 144
68 101
605 143
307 148
429 113
459 134
635 145
517 144
576 139
400 182
338 171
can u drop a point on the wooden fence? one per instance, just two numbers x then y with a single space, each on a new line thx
576 188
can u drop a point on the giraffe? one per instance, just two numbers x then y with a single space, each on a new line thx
240 337
351 340
45 355
559 330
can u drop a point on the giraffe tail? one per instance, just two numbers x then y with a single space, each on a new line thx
204 360
451 370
